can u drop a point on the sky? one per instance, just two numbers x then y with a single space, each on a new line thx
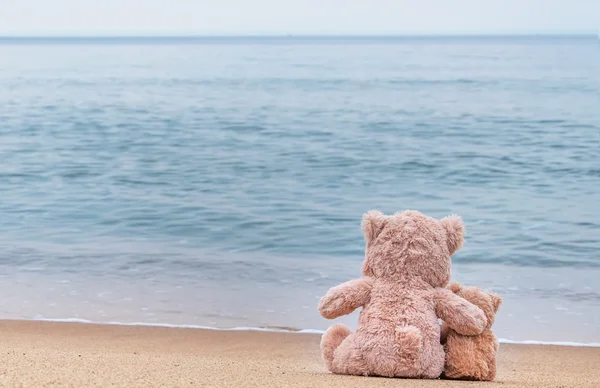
356 17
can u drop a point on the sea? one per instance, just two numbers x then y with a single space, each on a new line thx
220 181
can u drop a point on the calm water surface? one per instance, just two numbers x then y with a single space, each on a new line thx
221 182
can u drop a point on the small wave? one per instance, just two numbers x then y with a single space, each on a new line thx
551 343
168 325
285 330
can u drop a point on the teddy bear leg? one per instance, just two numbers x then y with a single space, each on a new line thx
492 372
489 372
348 359
492 362
331 340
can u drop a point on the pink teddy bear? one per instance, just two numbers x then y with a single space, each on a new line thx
402 294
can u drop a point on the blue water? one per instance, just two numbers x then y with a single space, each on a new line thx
221 182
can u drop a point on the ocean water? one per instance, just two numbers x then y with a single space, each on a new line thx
221 182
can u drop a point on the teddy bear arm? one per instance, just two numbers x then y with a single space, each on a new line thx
345 298
460 315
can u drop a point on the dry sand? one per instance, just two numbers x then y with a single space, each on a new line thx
47 354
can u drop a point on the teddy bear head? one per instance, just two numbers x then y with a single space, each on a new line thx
486 301
411 246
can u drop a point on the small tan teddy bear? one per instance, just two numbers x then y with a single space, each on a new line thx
472 357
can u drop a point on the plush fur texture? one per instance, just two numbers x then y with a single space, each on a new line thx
402 294
472 357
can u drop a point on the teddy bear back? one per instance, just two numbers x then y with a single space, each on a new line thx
410 245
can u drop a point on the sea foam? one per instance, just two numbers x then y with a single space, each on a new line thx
280 330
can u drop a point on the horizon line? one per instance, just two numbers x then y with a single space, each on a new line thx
291 37
300 35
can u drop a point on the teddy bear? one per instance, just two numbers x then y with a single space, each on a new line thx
472 357
402 292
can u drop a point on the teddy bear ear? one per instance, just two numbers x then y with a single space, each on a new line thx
454 287
372 223
496 301
455 232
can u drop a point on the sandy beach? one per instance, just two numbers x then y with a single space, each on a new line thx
50 354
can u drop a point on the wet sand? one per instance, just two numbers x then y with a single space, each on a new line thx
50 354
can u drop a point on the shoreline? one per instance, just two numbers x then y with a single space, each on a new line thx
42 353
273 329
